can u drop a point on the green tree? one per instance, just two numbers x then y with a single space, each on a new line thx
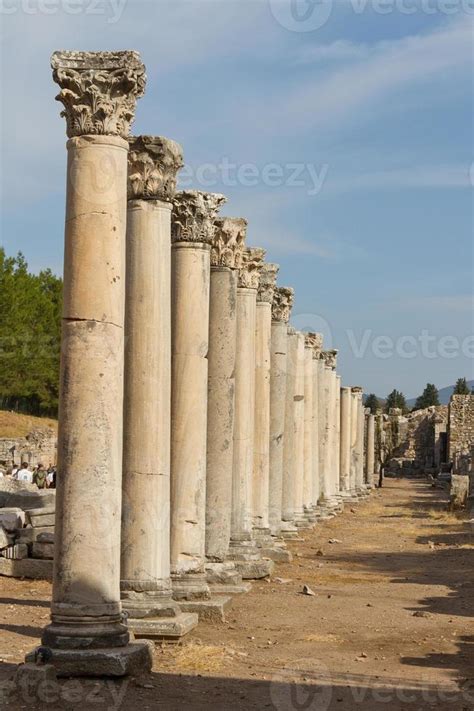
461 387
396 399
30 318
373 402
428 398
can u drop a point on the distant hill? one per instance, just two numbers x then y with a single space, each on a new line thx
444 394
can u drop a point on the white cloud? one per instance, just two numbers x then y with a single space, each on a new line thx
334 51
429 176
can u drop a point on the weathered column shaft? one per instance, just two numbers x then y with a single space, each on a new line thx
261 458
289 446
241 524
281 308
370 450
322 430
192 233
345 439
299 426
337 452
226 253
308 427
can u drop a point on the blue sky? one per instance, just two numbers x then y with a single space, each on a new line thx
356 120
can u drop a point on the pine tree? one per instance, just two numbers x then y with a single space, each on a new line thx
428 398
372 402
396 399
461 387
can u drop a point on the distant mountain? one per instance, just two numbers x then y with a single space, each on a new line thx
444 394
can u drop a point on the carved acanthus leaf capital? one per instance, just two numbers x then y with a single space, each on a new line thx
99 90
314 341
153 164
251 267
291 331
268 277
193 216
357 390
330 358
282 303
228 243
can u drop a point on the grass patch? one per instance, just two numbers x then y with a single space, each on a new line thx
13 424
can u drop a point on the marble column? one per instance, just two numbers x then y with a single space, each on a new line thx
370 455
337 450
323 405
87 634
261 452
192 233
316 344
308 429
356 480
145 581
226 256
243 549
301 519
288 529
281 307
345 440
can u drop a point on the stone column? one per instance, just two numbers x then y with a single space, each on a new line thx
355 436
323 406
226 255
316 343
288 529
145 561
308 429
281 307
243 550
99 92
337 450
261 453
345 439
192 233
299 444
370 456
360 445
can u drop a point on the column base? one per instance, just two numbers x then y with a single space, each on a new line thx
212 609
247 557
189 587
288 531
165 628
224 578
134 658
85 634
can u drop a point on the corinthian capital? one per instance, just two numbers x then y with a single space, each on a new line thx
267 283
251 266
193 216
229 242
314 341
98 90
330 358
282 303
153 163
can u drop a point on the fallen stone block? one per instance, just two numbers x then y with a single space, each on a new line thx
16 552
41 517
11 518
45 537
30 534
27 568
42 550
5 539
459 491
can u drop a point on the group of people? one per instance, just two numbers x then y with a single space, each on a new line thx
44 478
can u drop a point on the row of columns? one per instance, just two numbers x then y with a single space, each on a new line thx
197 429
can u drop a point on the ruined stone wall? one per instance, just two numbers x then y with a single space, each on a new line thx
39 446
460 427
414 441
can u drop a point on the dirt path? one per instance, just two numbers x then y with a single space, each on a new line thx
390 625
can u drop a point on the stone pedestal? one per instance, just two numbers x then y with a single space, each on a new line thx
192 234
226 254
145 561
281 306
86 613
243 549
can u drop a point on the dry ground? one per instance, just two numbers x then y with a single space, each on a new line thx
13 424
356 644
